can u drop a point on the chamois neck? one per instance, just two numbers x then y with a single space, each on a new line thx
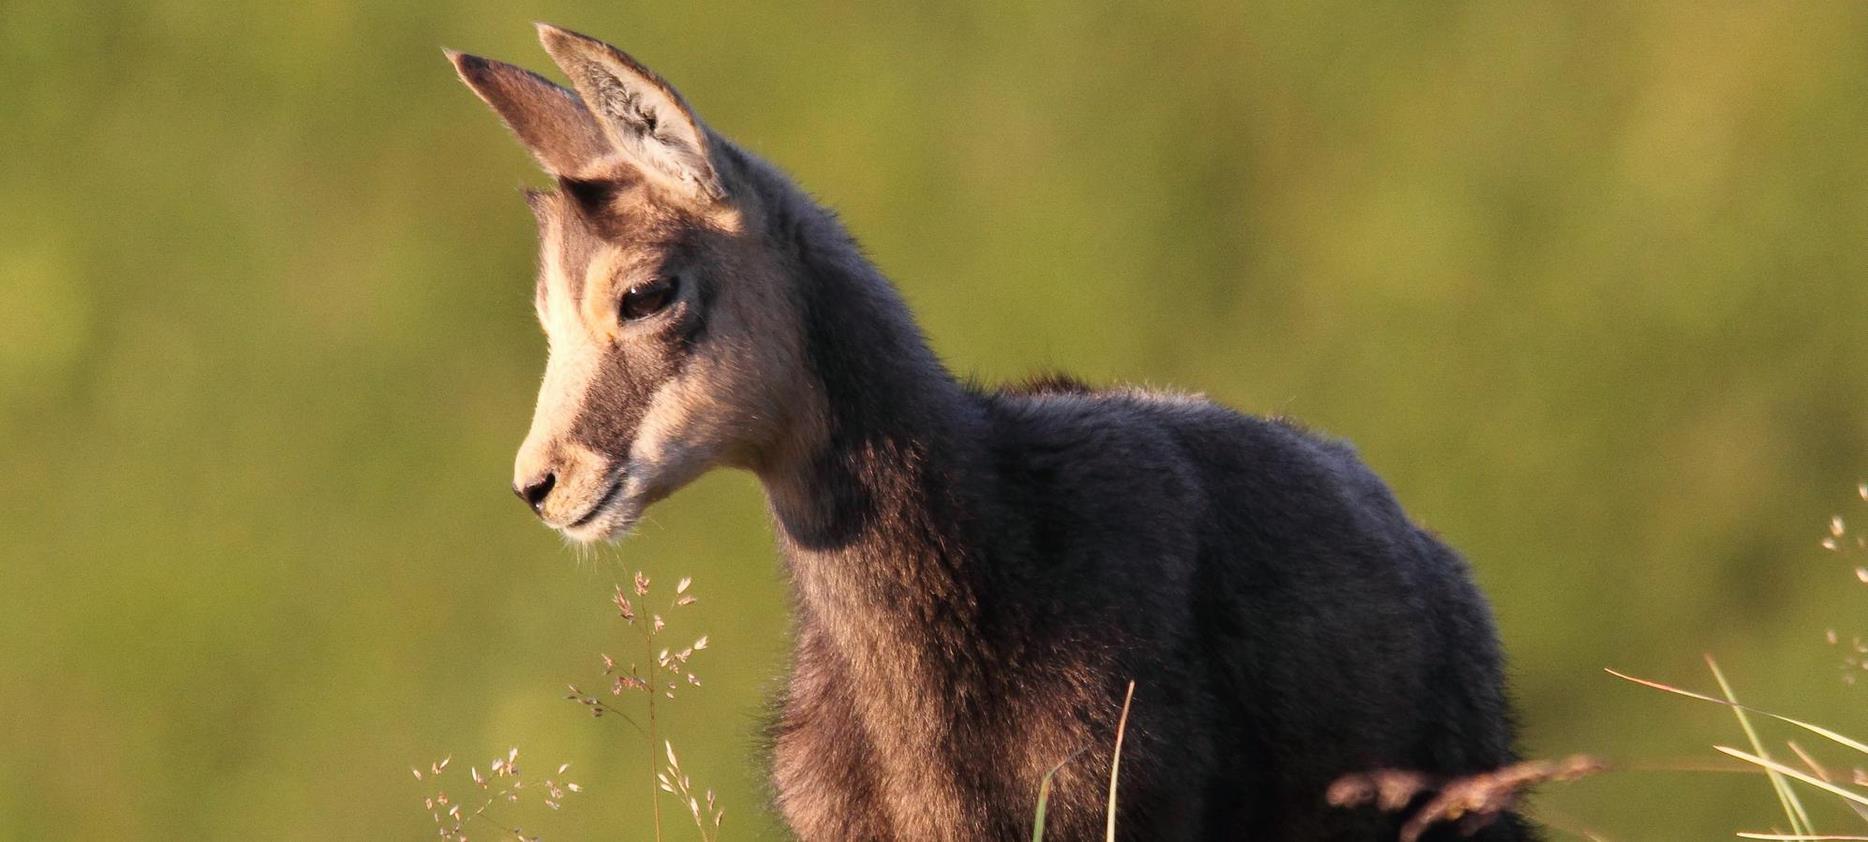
891 425
881 497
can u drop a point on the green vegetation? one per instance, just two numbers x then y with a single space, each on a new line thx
1585 282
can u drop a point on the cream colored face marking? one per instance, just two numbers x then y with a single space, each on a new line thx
572 362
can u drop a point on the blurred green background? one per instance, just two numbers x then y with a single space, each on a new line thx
1584 281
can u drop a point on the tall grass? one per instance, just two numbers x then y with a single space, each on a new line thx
663 673
502 785
1851 792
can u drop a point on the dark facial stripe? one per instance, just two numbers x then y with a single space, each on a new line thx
618 397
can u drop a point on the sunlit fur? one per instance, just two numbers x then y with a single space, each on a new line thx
977 574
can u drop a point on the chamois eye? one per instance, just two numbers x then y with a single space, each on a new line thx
648 298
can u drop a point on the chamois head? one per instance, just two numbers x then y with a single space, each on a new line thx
674 342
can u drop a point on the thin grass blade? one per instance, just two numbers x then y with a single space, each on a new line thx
1115 763
1044 796
1812 780
1044 801
1793 806
1812 728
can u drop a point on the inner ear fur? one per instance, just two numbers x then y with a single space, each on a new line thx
642 115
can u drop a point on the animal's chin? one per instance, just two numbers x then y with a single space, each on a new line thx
634 489
608 523
609 518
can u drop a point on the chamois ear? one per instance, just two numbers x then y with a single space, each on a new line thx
642 114
551 122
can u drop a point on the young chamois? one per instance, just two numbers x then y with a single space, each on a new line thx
977 574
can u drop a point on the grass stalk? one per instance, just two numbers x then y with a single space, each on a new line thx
1793 806
1818 730
1044 796
1791 837
1115 763
1791 772
655 790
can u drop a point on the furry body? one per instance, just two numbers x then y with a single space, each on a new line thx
977 575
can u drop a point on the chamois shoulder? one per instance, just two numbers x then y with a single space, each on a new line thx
1274 462
1060 408
1057 400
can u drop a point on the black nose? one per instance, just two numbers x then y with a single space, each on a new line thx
534 495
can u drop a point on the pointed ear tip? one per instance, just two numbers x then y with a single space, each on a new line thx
557 40
466 65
